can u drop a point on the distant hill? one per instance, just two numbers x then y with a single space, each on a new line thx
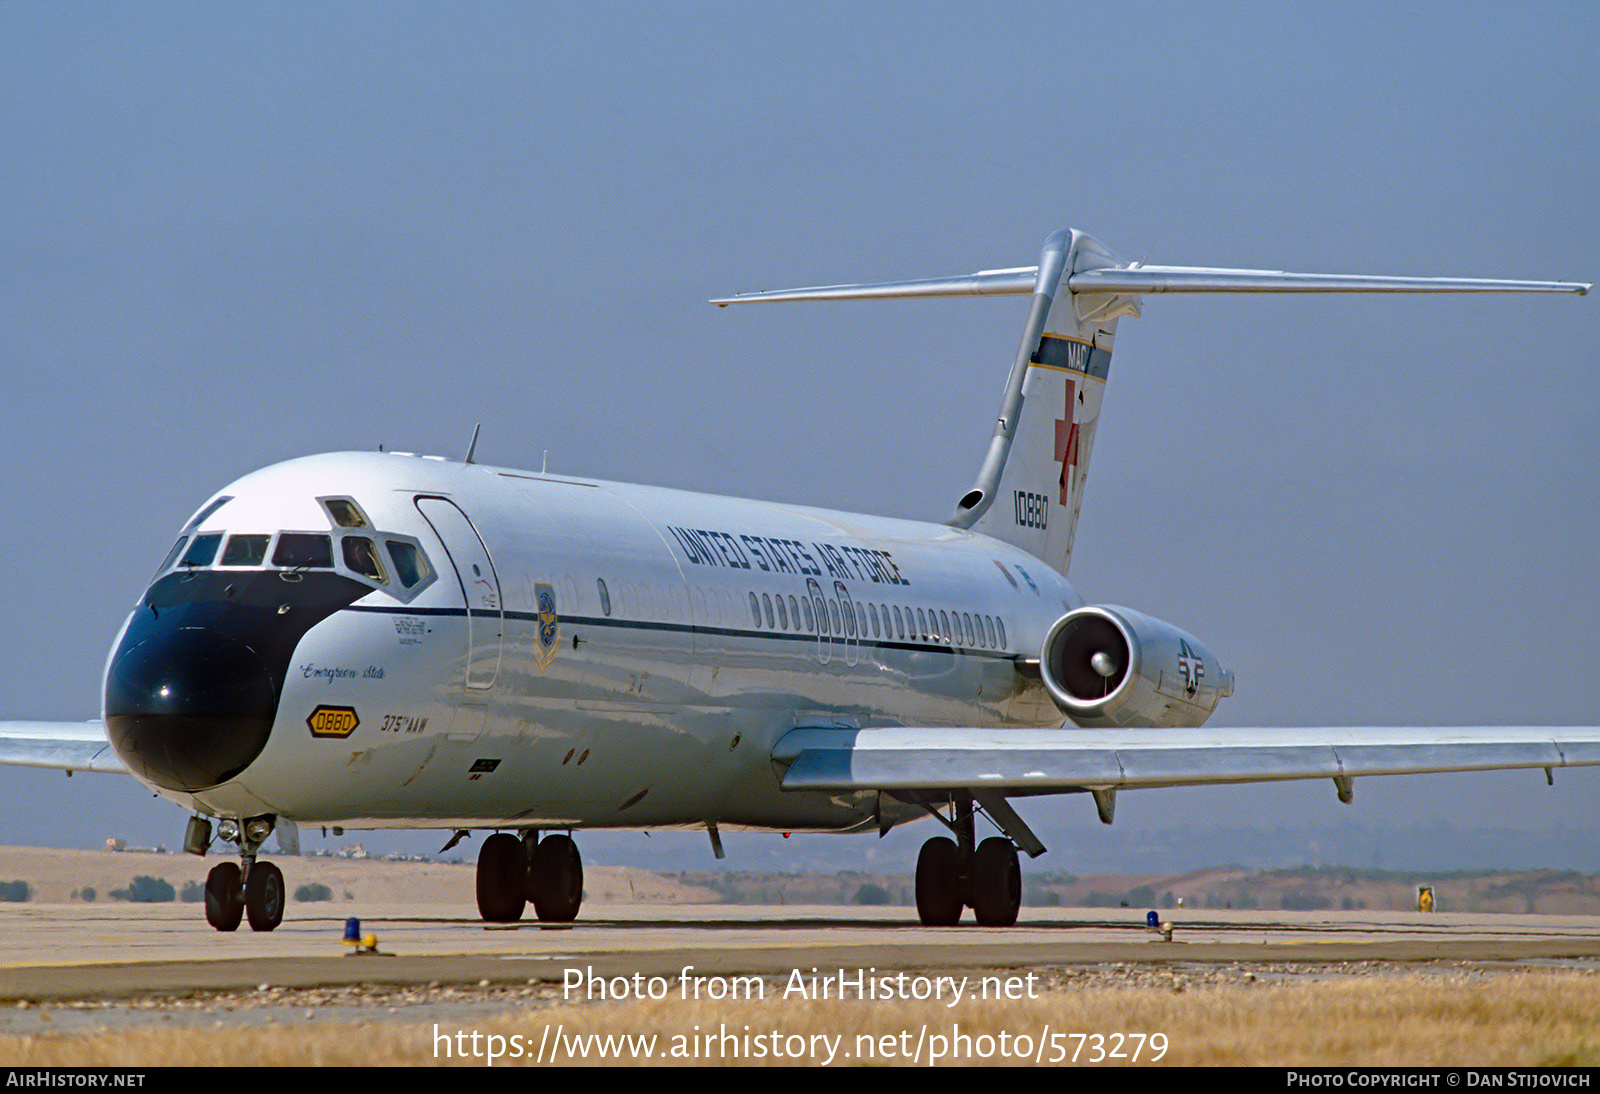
1548 892
1308 888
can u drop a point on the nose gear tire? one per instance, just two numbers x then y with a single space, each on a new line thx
264 897
224 897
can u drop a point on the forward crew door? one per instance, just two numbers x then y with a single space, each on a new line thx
480 586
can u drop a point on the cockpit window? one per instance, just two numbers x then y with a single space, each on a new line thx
297 550
245 550
202 550
172 555
345 513
362 557
410 565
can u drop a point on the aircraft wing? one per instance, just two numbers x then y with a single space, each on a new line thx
1034 761
65 746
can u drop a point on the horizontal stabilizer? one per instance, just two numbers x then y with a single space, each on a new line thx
64 746
1046 760
1014 282
1140 280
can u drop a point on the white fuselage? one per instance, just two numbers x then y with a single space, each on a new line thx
684 642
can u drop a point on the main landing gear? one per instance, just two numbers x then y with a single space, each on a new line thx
952 874
513 871
249 889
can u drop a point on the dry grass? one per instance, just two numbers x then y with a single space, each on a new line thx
1543 1017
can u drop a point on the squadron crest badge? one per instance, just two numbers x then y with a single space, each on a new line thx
549 626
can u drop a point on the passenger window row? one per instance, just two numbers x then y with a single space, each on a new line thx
858 619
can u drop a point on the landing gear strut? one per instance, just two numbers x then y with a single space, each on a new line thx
953 874
512 872
252 888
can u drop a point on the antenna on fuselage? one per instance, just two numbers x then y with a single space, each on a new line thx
473 447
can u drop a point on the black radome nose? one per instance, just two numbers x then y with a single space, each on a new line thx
194 685
188 707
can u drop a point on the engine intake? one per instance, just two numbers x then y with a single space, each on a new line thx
1112 666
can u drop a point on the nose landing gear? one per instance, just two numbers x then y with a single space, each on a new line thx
251 889
263 896
224 896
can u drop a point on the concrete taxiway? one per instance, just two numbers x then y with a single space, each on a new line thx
62 952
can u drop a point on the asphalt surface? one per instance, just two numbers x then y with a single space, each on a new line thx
116 962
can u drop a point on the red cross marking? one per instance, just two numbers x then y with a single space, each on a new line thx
1067 443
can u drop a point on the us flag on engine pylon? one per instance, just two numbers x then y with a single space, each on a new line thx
1192 668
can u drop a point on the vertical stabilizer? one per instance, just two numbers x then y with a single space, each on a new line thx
1030 487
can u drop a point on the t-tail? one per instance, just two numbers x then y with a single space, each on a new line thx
1030 485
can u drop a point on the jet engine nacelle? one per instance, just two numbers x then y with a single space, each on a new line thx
1112 666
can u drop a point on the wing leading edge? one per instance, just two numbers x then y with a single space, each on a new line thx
65 746
1035 761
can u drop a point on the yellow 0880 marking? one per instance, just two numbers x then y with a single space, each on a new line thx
333 721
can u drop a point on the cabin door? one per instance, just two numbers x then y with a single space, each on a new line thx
480 587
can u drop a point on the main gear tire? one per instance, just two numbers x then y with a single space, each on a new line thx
996 883
502 878
939 900
556 879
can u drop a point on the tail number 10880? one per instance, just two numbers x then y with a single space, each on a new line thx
1033 510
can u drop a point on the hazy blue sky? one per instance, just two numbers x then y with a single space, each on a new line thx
231 234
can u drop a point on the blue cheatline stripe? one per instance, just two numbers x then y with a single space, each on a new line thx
689 628
1067 353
